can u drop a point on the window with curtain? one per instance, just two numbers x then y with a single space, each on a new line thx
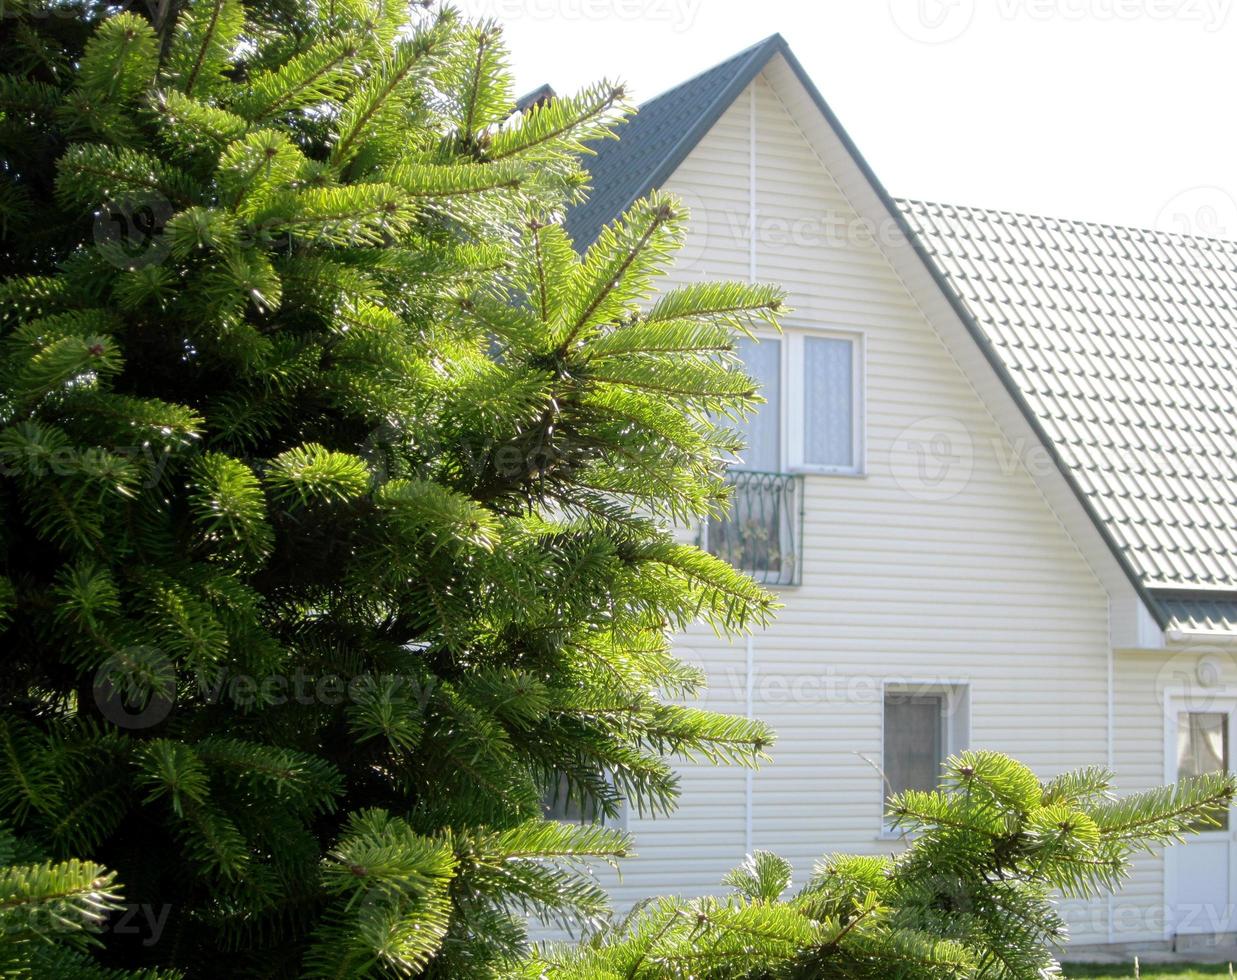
829 402
915 741
810 422
755 535
763 429
1202 747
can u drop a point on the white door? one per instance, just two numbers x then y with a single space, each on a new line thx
1202 872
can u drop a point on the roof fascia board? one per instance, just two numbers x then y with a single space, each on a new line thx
1198 591
1198 641
967 342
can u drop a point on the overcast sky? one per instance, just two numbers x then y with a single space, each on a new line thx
1108 110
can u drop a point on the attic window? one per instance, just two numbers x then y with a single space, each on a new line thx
812 419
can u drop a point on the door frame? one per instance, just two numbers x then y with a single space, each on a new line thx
1192 698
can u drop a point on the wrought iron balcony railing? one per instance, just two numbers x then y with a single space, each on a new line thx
762 534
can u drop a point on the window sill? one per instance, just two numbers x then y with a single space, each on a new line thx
827 471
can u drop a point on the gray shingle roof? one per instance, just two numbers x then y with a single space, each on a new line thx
1124 344
657 138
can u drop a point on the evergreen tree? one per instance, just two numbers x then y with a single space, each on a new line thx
974 896
335 489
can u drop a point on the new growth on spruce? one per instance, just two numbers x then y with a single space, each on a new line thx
336 491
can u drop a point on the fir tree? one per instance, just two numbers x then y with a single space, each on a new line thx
335 491
974 896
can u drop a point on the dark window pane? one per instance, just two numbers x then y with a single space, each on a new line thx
759 535
750 536
914 741
559 804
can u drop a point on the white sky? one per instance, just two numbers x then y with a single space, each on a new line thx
1109 110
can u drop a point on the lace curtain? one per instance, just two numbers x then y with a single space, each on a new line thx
762 430
829 392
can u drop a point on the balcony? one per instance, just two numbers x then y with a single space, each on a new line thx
762 533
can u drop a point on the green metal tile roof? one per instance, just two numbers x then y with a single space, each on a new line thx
1123 343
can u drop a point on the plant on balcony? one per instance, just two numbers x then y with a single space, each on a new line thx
759 533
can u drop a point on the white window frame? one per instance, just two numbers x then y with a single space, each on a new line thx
791 428
957 707
795 398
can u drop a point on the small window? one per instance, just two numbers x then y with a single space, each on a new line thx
812 419
923 726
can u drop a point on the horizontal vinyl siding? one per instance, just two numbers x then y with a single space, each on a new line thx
1142 677
1138 913
983 587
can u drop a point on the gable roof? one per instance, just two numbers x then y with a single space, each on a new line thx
1112 343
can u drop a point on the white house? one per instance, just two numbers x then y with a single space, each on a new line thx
997 494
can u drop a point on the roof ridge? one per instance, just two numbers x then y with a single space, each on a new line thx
744 55
655 140
906 204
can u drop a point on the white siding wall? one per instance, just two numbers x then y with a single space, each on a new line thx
973 580
1142 678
